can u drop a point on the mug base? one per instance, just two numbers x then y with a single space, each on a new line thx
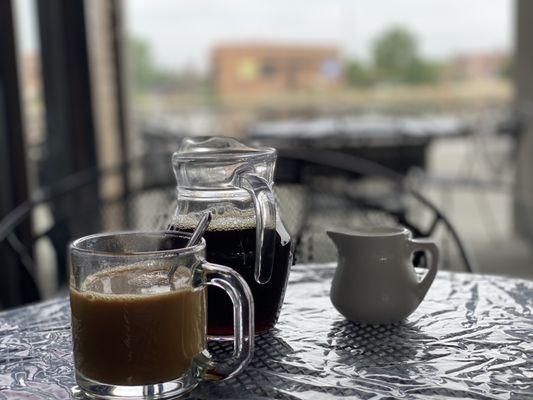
164 390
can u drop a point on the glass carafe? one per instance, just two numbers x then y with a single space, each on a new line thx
234 182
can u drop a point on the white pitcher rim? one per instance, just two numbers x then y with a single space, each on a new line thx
373 232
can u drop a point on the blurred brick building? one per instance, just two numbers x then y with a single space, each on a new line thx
479 66
259 68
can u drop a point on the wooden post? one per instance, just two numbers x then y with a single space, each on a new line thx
70 136
16 284
106 45
523 75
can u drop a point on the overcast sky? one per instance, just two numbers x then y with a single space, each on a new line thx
181 32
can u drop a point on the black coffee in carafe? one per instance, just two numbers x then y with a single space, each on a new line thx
234 246
234 182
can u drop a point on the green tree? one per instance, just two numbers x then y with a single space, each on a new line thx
396 58
143 70
507 70
358 74
145 73
422 72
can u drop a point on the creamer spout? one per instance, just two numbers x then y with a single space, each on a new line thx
340 239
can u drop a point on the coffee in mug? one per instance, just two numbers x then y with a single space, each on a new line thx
131 326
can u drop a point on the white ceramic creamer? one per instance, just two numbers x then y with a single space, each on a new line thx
375 281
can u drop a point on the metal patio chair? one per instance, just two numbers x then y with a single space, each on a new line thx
315 190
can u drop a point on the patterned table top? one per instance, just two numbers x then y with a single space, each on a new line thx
471 338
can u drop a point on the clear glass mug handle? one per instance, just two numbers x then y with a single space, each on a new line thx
236 287
265 231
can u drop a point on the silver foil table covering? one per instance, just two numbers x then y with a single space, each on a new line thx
471 338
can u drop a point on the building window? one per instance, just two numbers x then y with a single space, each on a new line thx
268 69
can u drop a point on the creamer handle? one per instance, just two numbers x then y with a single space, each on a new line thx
427 246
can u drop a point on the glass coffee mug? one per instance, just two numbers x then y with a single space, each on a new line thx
136 333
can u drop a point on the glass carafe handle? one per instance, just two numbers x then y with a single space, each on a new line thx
265 233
